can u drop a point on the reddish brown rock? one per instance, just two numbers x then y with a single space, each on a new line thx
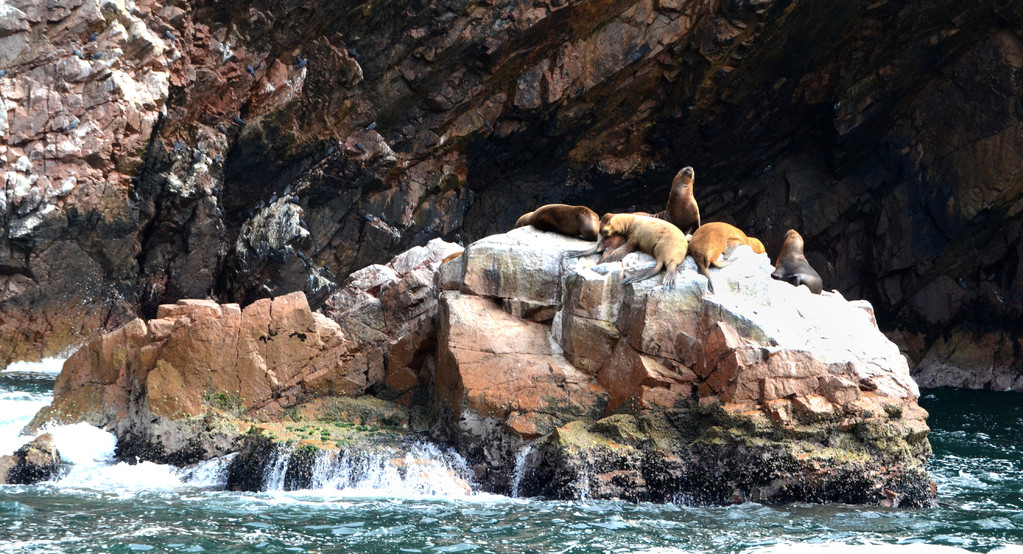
625 380
494 364
390 311
153 384
250 151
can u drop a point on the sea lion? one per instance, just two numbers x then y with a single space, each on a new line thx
611 249
792 266
564 219
662 240
450 257
712 240
682 209
757 246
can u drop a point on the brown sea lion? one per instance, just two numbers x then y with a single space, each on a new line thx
450 257
563 218
607 246
682 209
792 266
662 240
757 246
713 239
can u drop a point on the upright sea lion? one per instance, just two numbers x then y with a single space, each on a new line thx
713 239
564 219
662 240
682 209
792 266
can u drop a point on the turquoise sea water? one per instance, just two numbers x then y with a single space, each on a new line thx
102 506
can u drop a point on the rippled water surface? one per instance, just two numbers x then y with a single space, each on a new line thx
105 507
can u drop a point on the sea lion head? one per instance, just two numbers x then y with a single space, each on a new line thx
685 176
793 241
607 227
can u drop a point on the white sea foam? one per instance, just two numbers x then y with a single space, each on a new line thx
424 470
17 407
48 366
207 474
82 444
16 410
90 450
818 548
122 478
836 547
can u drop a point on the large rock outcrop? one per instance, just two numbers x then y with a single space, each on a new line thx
187 384
152 152
170 388
762 391
544 372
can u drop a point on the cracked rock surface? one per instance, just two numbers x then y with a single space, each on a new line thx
146 148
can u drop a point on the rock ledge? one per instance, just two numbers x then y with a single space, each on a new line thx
546 374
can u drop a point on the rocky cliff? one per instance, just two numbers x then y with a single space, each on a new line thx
157 151
547 375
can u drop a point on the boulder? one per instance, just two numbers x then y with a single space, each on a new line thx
653 393
171 388
760 391
390 311
36 461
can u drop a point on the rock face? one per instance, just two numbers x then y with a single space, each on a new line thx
154 152
544 372
34 462
184 386
170 388
762 391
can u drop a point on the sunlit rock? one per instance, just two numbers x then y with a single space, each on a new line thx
759 379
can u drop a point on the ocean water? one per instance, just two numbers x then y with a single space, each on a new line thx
420 503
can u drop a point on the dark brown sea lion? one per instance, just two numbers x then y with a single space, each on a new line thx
563 218
682 209
662 240
792 266
713 239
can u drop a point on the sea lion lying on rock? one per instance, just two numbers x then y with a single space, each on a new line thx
792 266
712 240
564 219
612 248
662 240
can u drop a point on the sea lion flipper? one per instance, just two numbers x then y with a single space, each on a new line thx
583 253
726 257
618 253
644 274
670 274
